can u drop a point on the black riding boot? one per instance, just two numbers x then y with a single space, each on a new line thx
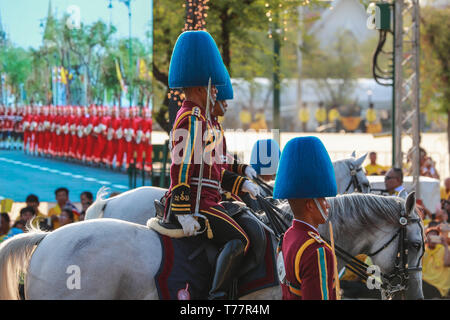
226 264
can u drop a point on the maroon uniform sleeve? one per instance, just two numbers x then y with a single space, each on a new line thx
317 273
187 136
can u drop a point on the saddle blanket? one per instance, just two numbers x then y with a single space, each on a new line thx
183 278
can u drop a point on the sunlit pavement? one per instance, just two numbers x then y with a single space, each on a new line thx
22 174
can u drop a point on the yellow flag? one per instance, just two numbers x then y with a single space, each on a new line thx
143 73
119 76
63 75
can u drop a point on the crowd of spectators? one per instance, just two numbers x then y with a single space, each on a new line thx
63 213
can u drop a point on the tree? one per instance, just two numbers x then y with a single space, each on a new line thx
435 63
335 63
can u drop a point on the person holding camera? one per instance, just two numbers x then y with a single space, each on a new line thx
436 263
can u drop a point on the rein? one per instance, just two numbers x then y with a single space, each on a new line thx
354 180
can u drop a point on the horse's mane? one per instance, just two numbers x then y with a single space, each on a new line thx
359 211
368 210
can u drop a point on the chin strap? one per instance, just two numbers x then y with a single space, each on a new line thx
221 107
324 216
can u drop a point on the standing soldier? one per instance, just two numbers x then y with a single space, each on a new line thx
306 262
121 145
196 165
148 147
2 126
82 137
129 138
51 131
59 122
114 125
19 126
74 120
100 130
90 134
33 128
26 122
139 135
46 130
68 130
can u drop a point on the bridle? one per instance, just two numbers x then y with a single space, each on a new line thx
354 179
397 280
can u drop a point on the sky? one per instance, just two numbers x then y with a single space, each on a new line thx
21 19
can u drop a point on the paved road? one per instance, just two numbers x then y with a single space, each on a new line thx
22 174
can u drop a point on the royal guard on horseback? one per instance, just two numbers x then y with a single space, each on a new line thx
306 263
228 161
196 176
147 140
91 122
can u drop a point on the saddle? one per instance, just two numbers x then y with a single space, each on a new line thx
236 210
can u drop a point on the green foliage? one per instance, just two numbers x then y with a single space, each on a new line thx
435 60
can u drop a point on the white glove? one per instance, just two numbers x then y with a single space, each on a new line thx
250 172
251 188
189 224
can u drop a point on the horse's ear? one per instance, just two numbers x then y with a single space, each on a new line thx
360 160
354 154
410 202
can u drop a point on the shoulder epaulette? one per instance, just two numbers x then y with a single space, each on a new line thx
315 236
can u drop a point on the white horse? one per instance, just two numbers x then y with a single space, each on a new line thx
137 205
115 259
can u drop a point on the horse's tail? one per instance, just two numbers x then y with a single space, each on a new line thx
96 209
15 255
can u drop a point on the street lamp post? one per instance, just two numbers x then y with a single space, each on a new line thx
130 52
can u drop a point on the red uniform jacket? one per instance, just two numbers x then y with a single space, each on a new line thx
309 265
187 137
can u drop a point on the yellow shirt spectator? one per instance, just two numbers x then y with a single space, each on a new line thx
371 115
333 115
321 114
303 115
245 117
375 169
434 272
444 194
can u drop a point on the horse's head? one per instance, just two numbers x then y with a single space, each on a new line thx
399 257
350 176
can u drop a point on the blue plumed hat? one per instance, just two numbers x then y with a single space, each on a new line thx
265 156
196 58
225 92
305 171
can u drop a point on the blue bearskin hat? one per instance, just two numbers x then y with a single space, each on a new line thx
305 171
196 58
265 156
225 92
